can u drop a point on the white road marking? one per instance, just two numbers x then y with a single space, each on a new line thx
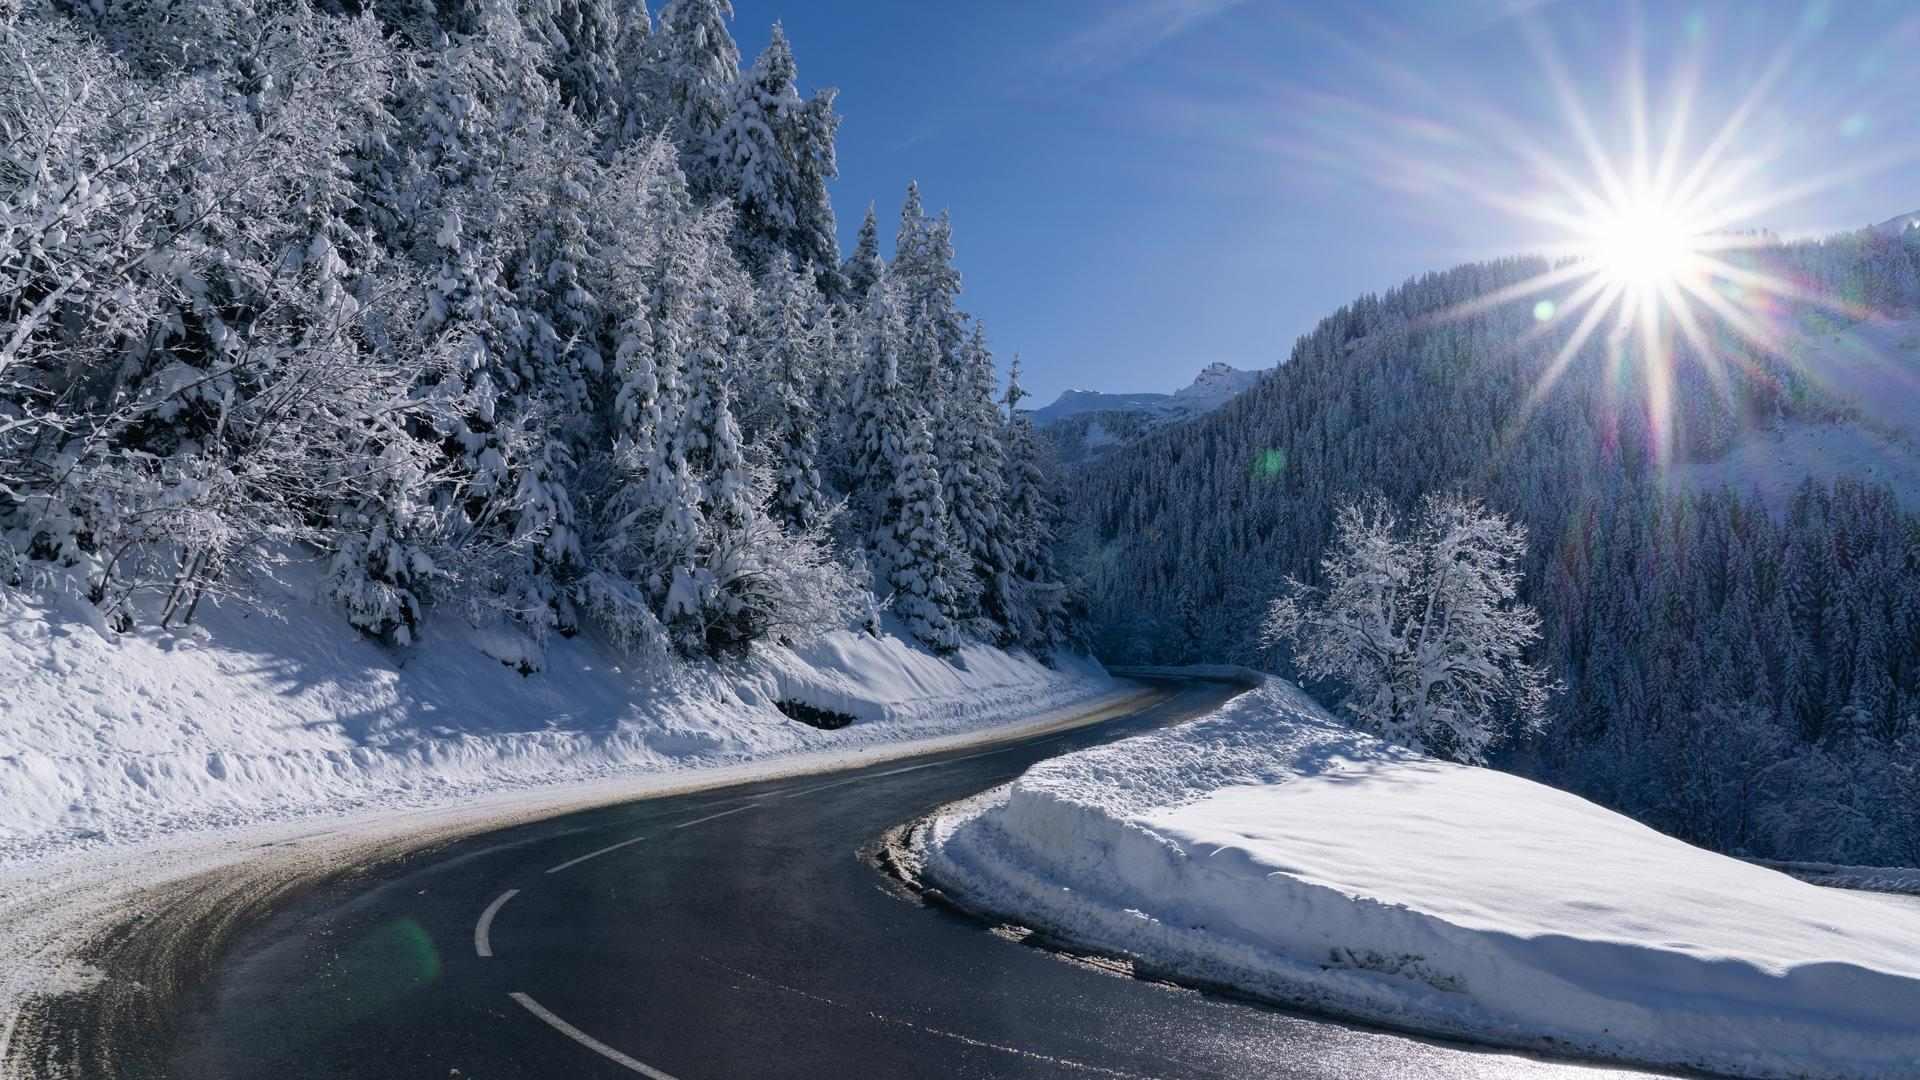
594 854
823 787
910 768
721 814
587 1040
481 929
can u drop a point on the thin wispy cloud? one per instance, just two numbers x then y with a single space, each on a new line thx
1133 29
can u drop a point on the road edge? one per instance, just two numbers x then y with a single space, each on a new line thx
121 970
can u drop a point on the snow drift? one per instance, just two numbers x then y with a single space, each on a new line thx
1271 849
117 738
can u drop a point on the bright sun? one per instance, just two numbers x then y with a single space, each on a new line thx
1643 245
1647 234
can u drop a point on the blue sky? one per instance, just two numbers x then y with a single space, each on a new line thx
1141 187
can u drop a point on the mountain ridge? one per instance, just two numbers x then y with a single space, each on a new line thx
1214 386
1085 424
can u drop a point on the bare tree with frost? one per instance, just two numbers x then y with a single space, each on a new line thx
1422 626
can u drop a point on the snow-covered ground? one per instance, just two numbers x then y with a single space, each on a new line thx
109 739
209 771
1274 850
1871 366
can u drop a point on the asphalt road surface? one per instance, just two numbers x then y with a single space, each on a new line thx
732 933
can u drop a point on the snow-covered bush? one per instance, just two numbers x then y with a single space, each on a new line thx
1422 626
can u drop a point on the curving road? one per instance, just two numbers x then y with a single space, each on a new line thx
731 933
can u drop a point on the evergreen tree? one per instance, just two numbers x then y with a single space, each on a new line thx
797 352
974 482
776 153
879 416
1032 590
864 267
920 557
697 66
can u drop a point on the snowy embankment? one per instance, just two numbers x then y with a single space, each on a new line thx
1271 849
116 738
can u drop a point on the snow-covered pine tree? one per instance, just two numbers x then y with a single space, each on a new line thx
633 116
776 155
584 38
973 476
1032 592
879 418
696 64
919 554
923 270
709 452
674 487
496 146
797 349
863 268
816 234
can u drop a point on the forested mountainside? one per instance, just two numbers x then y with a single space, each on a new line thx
533 309
1743 678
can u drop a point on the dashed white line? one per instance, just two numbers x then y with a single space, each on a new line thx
587 1040
481 945
910 768
594 854
721 814
823 787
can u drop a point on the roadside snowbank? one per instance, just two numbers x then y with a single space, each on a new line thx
109 738
1271 849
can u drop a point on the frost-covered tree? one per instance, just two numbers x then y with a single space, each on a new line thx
194 370
922 562
973 477
879 415
1422 628
929 291
1031 590
776 156
797 340
489 303
695 66
863 268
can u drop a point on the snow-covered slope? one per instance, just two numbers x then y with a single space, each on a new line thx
1898 224
1870 367
1215 385
1081 402
109 738
1275 850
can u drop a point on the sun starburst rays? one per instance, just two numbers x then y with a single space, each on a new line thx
1642 192
1646 257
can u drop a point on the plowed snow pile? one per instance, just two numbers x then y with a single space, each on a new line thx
1272 849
